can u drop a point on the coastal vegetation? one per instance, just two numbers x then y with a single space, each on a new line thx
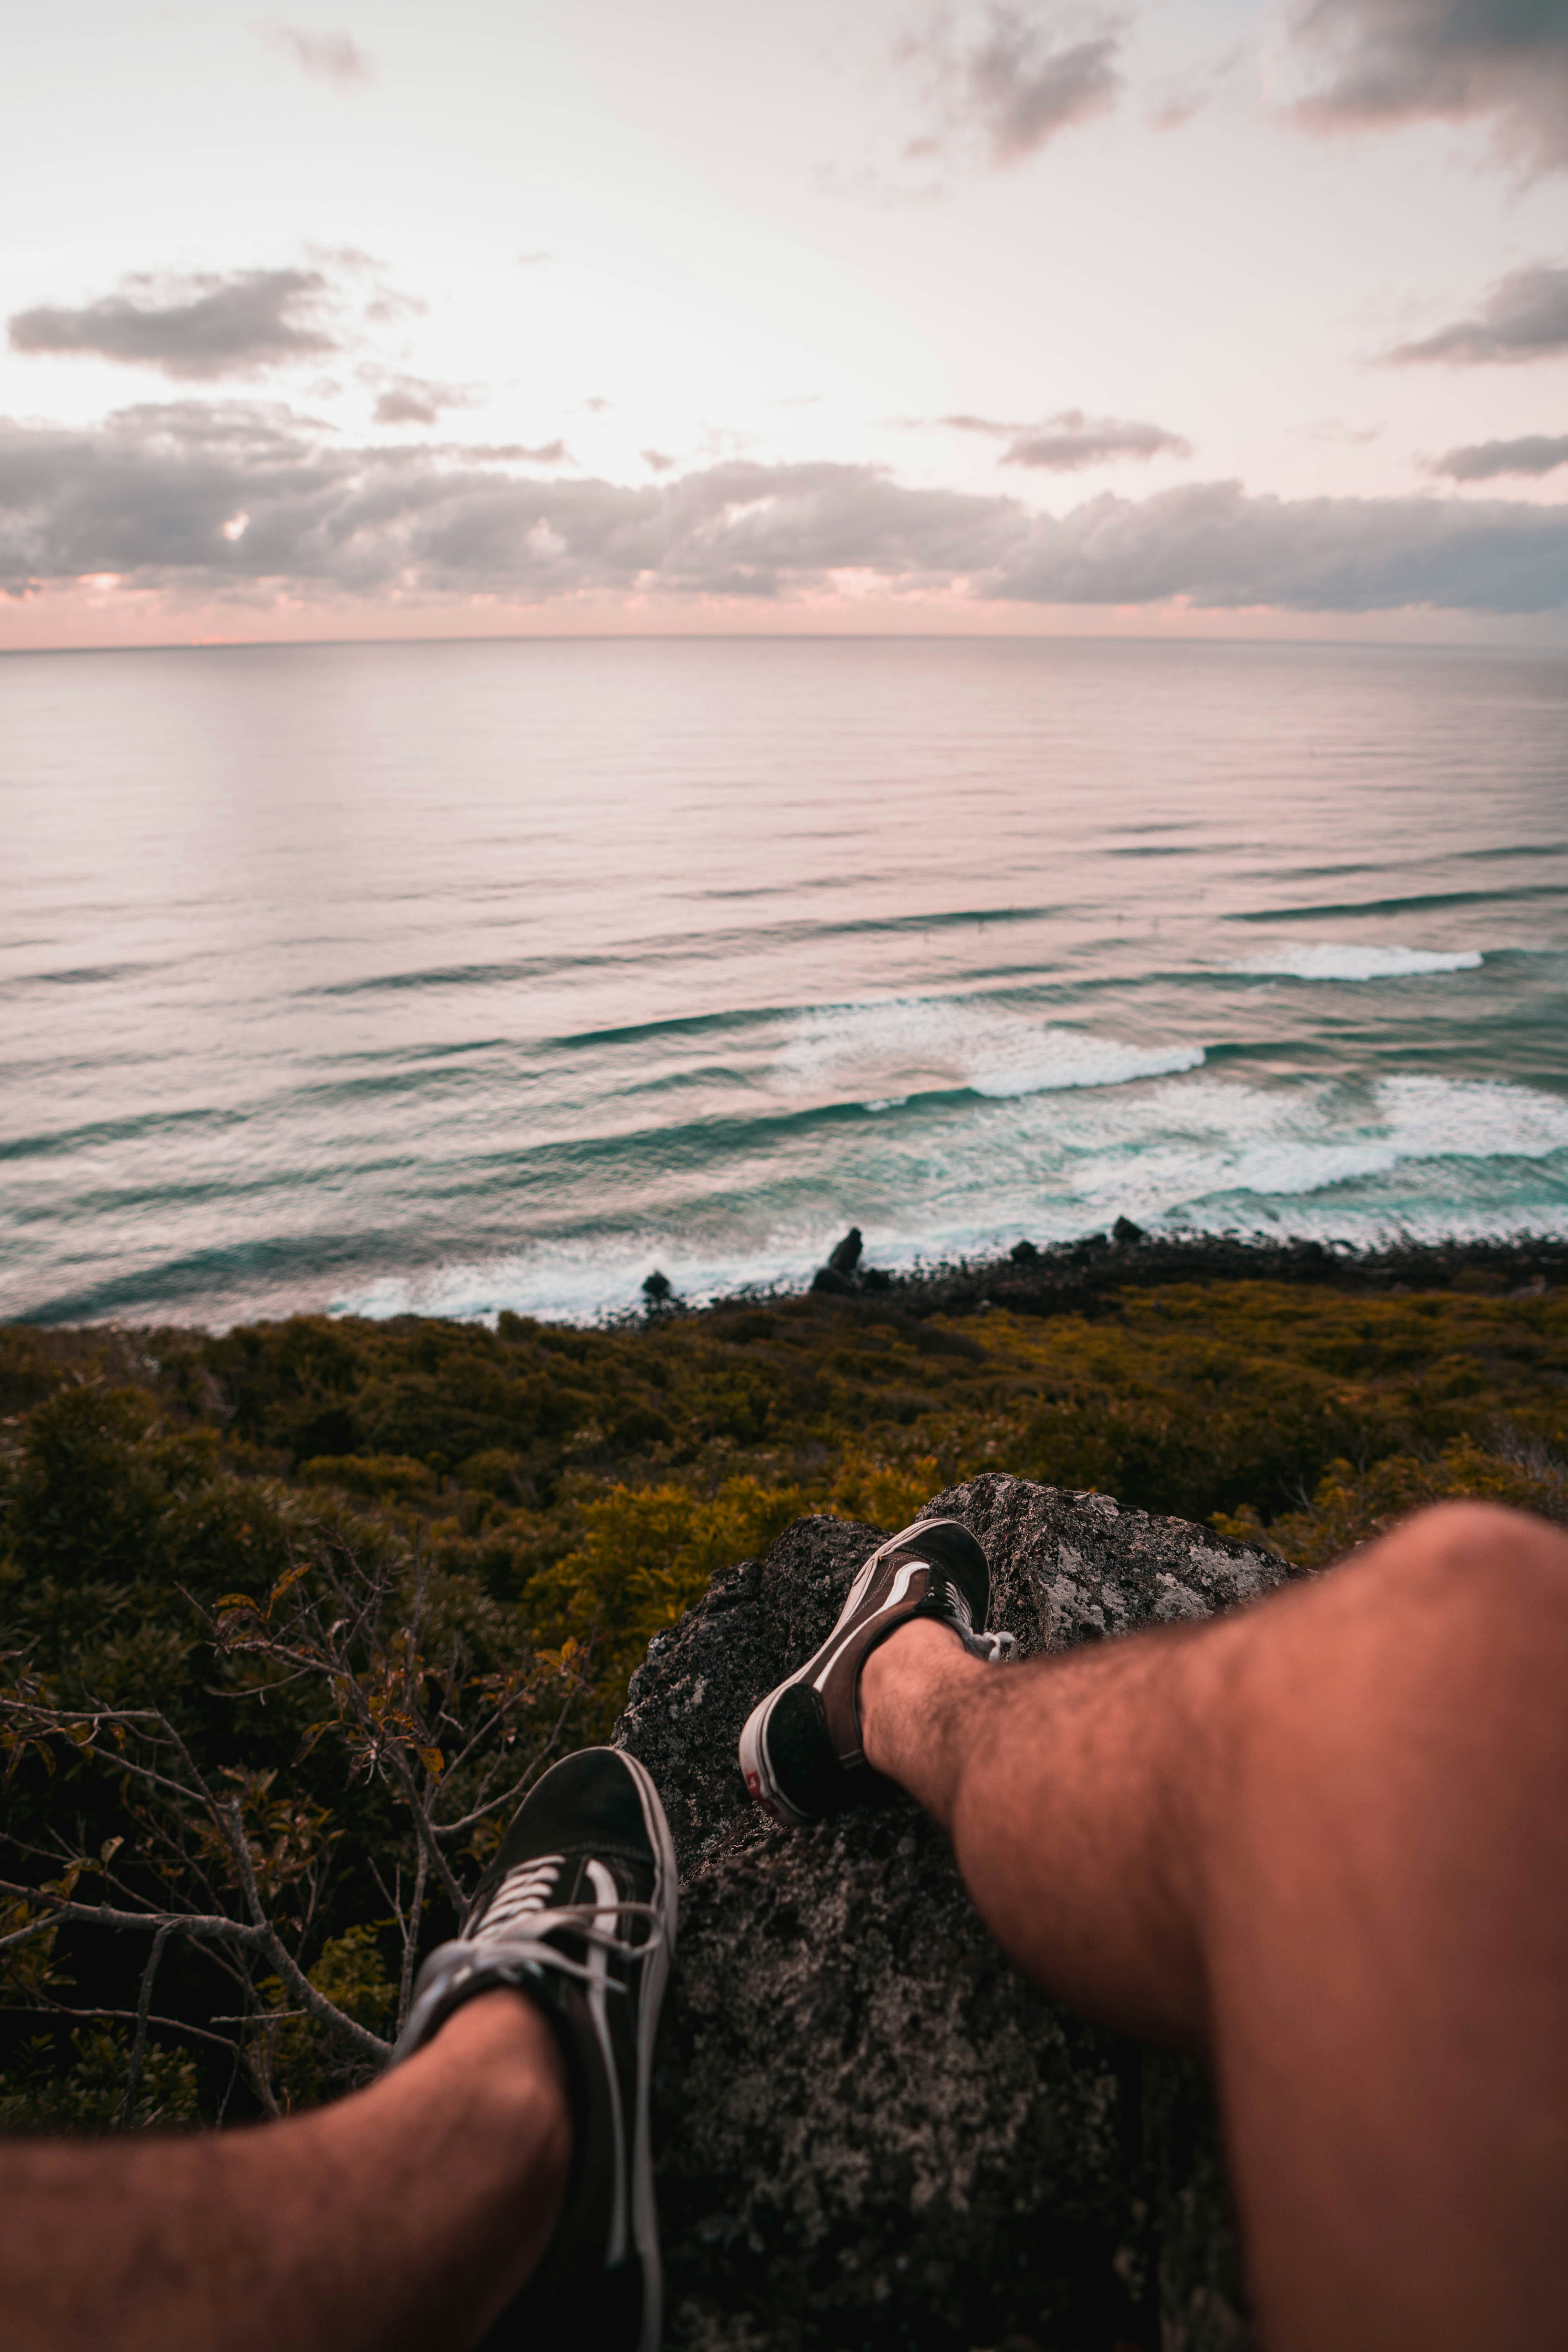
291 1614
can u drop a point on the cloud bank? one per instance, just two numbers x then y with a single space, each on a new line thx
1484 461
193 327
1068 442
1525 317
1001 84
243 500
1402 61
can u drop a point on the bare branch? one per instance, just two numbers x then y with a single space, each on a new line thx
411 1940
92 2016
425 1831
34 1926
429 1731
144 2002
99 1914
369 2045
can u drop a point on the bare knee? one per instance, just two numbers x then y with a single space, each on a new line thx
1448 1637
1472 1534
1486 1575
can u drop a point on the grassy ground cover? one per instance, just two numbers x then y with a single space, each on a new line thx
334 1560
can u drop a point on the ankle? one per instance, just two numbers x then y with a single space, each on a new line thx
503 2049
906 1690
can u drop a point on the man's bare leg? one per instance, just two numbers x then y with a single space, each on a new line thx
1325 1839
407 2216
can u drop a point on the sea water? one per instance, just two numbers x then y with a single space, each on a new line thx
455 977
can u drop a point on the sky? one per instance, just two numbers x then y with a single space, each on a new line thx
1215 317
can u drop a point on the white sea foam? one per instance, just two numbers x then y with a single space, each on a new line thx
881 1053
1476 1118
576 1281
1222 1151
1335 960
1416 1154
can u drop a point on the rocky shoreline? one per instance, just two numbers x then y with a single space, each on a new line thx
1075 1277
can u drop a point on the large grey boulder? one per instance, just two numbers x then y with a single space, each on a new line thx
873 2131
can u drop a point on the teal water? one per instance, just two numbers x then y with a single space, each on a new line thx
456 977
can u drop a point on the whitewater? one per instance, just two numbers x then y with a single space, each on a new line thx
452 978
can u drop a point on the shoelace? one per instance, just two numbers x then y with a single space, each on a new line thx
506 1953
523 1890
956 1602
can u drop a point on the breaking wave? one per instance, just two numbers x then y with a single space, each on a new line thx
1329 959
882 1054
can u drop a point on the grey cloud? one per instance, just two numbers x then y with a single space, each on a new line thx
1068 442
193 327
413 400
1212 545
1078 441
1525 317
964 422
1399 60
246 500
332 57
1005 83
498 453
657 462
1483 461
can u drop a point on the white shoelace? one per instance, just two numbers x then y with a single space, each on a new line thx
509 1949
522 1947
522 1890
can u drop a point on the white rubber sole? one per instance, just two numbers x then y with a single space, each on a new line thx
656 1974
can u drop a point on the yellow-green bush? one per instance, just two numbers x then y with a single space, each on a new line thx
645 1554
557 1497
1350 1506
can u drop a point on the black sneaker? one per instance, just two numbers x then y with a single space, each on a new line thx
578 1909
799 1751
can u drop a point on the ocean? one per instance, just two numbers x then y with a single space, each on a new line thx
455 977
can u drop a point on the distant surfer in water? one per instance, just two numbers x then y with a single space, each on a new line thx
1323 1841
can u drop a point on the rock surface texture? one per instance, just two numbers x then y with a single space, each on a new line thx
874 2132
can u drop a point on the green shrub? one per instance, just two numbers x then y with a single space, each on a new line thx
543 1501
88 2096
1350 1506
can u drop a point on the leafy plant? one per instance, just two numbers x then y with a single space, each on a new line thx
292 1615
237 1861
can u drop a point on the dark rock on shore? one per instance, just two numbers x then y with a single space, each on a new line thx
844 1277
836 1285
845 1256
873 2132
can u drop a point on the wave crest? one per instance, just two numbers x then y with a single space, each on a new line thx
880 1054
1330 960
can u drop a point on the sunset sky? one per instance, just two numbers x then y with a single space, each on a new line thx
1196 315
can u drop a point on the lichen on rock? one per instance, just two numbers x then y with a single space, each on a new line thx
873 2131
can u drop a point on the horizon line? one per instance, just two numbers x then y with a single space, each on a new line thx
782 637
